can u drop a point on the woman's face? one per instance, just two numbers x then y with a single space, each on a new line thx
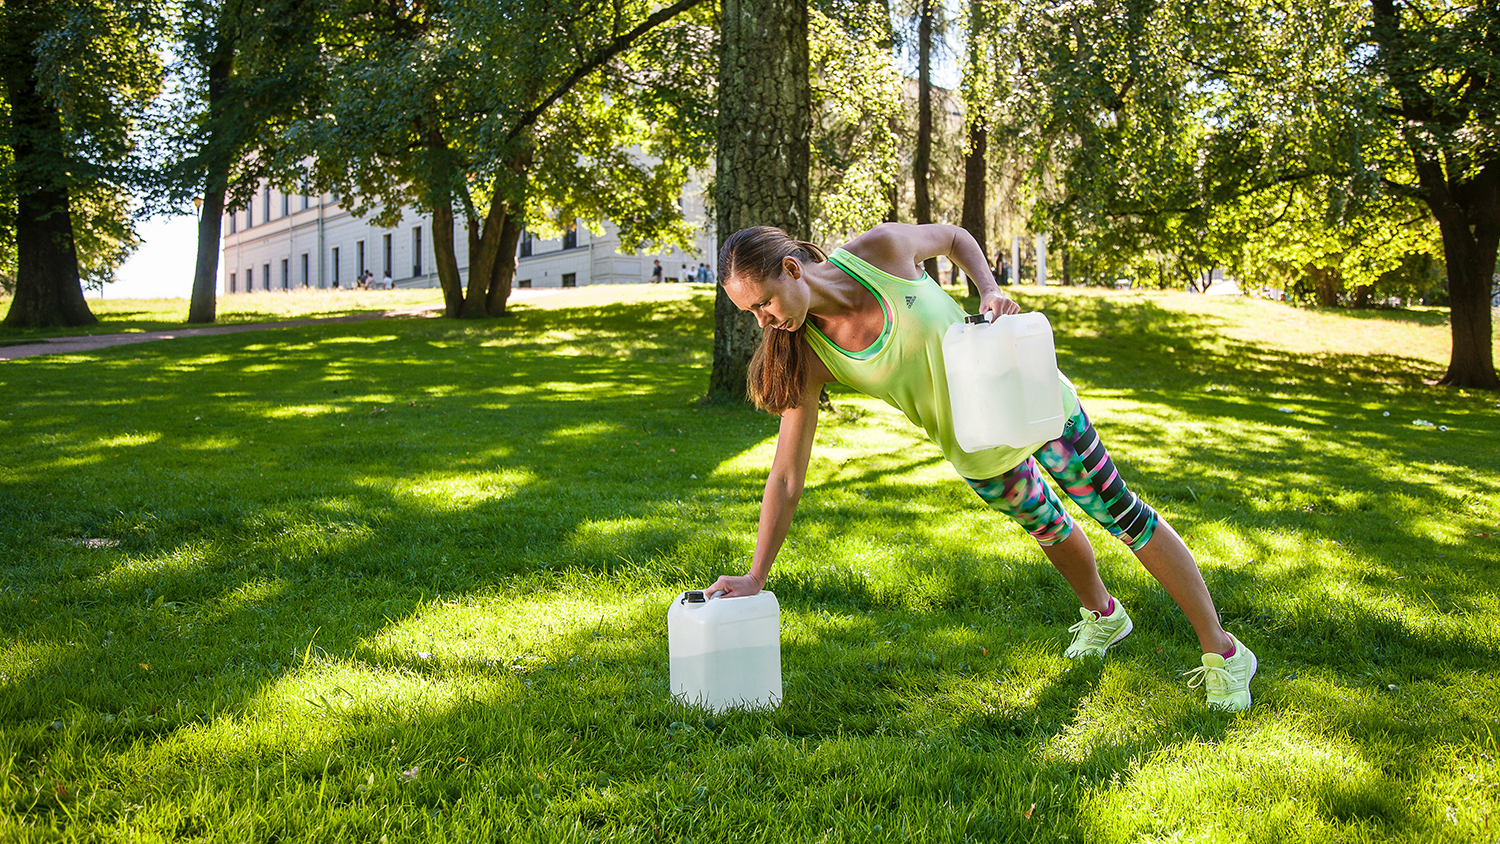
776 303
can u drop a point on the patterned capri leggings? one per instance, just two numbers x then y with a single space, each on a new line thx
1079 464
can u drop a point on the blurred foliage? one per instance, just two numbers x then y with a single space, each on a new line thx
857 108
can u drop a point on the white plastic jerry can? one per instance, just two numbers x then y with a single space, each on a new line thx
1003 382
725 653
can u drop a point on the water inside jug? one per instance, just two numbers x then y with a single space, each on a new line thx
725 653
1002 382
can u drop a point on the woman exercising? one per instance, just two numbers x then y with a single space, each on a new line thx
859 318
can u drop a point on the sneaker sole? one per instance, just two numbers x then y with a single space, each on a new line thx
1129 626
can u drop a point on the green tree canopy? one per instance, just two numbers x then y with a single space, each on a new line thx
539 112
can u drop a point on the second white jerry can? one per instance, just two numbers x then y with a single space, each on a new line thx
1002 381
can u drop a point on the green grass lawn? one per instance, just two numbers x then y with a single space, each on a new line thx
407 579
117 316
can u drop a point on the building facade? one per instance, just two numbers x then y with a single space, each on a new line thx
282 242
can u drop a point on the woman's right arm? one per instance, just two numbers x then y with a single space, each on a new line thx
783 487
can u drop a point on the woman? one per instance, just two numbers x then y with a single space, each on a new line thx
858 317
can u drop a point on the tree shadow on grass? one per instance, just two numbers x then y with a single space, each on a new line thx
284 508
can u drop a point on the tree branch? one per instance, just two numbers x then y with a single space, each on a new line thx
614 48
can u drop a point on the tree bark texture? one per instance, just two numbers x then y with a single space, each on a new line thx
922 159
484 253
1462 193
975 175
1470 254
764 129
446 259
204 305
1468 216
48 289
503 270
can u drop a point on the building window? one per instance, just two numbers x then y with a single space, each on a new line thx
265 206
524 283
570 280
231 283
359 258
385 247
306 281
304 202
286 280
335 266
249 279
416 250
286 205
265 276
234 222
525 244
570 237
249 212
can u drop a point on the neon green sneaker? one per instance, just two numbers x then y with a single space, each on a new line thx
1227 681
1095 633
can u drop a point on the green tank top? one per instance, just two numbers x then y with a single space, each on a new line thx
904 367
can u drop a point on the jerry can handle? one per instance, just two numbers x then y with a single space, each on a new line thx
978 319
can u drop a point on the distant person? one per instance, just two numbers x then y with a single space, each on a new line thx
857 317
684 276
386 281
702 277
656 273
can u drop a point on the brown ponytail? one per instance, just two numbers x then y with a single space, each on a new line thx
778 370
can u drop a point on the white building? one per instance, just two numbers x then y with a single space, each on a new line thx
289 242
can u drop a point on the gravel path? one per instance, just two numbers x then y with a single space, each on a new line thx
93 342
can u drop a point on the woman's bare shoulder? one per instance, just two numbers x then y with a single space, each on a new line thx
891 247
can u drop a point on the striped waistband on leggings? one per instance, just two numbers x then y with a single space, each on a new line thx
1079 464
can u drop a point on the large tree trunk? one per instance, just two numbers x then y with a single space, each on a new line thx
1463 194
204 304
1471 272
503 272
1467 208
975 174
492 248
446 259
765 121
484 250
48 290
922 160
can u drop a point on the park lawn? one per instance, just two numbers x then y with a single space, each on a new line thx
119 316
407 579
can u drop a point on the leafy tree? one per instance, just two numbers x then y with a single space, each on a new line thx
983 76
764 128
931 23
1309 240
1439 66
856 106
243 70
77 75
1160 119
524 113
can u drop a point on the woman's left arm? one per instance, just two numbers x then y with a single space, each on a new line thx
895 246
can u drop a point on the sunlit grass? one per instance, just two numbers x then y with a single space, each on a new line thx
408 578
132 315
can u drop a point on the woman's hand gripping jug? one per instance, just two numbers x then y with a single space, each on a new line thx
1003 382
725 652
